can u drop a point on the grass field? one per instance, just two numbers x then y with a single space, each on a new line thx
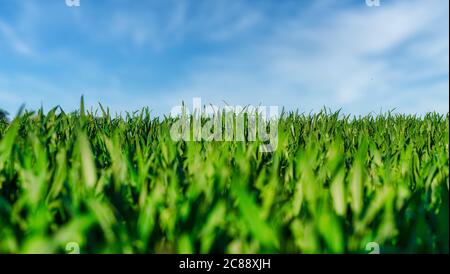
121 185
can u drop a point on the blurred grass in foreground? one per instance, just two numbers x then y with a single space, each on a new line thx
121 185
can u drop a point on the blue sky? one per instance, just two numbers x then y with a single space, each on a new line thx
297 54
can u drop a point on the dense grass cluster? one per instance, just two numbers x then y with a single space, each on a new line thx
121 185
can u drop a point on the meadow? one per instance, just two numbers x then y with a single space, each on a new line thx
119 184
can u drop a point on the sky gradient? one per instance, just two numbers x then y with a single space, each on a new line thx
294 54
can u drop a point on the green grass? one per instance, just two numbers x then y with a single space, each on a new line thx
121 185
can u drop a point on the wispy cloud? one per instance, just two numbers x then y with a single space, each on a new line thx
10 36
359 59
